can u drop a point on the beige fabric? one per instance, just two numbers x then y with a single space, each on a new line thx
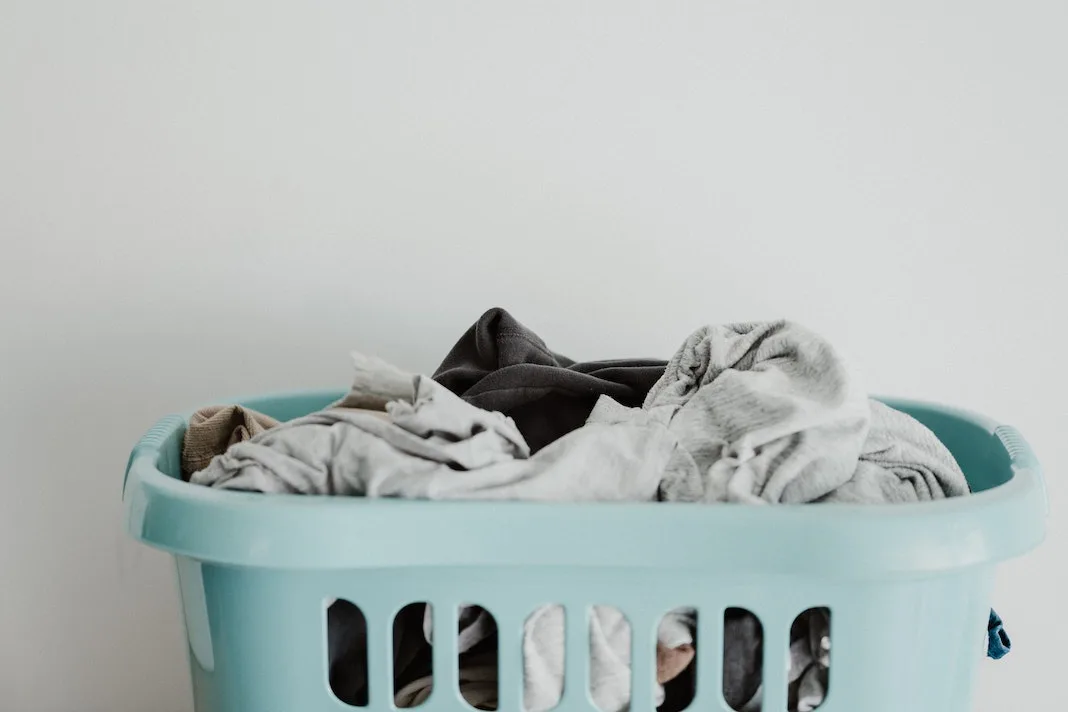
670 662
215 428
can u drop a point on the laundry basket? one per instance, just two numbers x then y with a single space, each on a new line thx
908 586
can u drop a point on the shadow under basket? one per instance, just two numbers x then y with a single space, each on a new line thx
908 586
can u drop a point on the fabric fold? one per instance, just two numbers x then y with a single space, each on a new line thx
420 450
213 429
768 412
501 365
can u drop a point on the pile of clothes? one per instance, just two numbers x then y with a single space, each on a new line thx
752 413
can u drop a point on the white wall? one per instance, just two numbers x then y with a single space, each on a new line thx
212 198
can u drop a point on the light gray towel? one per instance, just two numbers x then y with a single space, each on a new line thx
768 412
902 461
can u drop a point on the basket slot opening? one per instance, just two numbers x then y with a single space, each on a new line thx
413 665
810 660
610 631
676 651
346 643
743 657
546 634
477 661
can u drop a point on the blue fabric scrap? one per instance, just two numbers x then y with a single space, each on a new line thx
998 644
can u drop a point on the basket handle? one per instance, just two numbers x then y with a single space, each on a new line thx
150 443
1020 452
1024 461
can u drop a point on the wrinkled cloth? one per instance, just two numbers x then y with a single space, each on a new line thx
213 429
901 461
501 365
435 446
768 413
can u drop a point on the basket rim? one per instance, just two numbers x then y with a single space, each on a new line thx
850 541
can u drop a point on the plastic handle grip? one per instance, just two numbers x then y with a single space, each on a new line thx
150 443
1024 461
1020 452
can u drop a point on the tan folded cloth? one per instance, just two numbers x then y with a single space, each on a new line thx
215 428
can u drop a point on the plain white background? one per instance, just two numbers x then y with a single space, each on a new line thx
214 198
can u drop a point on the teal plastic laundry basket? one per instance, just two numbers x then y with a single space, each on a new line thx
908 586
